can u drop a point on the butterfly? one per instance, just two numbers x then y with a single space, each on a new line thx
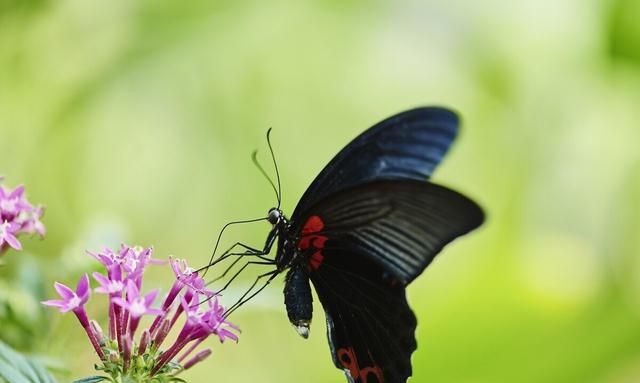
365 228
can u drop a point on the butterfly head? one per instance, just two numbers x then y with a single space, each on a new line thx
275 216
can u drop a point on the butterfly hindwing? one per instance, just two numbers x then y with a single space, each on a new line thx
362 246
408 145
369 323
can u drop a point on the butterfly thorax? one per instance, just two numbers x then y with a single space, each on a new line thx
286 253
293 248
280 229
297 289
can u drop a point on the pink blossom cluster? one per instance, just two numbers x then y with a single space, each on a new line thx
17 216
188 302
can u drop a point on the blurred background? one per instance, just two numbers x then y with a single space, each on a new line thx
135 121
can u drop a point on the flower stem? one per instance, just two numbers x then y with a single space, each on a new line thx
112 320
81 314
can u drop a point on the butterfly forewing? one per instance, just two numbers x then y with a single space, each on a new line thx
408 145
398 225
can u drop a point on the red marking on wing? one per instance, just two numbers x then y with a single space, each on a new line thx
316 260
313 225
367 372
309 240
348 359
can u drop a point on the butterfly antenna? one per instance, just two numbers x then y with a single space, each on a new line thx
275 165
254 158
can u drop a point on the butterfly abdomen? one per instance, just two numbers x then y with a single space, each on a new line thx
298 300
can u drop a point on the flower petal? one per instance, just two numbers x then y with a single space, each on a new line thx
54 303
84 289
132 291
120 302
101 279
17 192
224 334
65 292
149 298
12 241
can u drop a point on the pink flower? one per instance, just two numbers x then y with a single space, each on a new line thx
75 301
107 257
11 203
71 300
218 324
136 304
34 225
183 272
140 357
108 286
7 235
189 277
17 216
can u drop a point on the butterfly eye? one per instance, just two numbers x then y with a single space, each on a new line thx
274 216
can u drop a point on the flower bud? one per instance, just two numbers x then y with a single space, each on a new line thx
97 330
144 342
163 331
202 355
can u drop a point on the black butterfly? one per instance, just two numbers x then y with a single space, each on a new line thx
366 227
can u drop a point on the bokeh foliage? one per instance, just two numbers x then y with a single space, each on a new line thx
134 121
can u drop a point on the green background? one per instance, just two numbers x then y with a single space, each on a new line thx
134 121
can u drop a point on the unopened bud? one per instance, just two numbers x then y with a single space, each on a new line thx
97 330
144 342
163 331
202 355
127 352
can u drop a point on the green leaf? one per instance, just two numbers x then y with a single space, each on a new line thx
11 375
18 362
92 379
43 374
16 368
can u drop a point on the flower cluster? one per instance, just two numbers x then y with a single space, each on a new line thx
17 216
141 359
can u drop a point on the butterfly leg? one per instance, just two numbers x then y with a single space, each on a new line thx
249 251
237 273
244 299
246 247
240 256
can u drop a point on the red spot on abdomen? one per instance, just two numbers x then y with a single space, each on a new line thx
309 240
